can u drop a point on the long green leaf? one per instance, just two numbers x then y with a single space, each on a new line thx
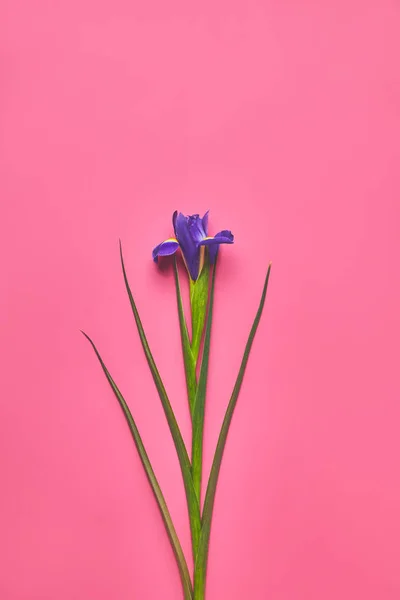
199 404
192 502
176 546
188 358
201 560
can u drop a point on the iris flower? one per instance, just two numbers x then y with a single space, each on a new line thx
191 236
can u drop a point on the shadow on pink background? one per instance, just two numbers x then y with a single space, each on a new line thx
283 118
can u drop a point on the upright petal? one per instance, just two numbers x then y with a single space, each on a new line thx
166 248
213 243
205 223
195 224
190 250
174 216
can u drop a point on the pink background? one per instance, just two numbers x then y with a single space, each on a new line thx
283 118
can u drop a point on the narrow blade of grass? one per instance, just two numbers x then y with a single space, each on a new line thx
202 556
176 546
186 468
199 403
188 358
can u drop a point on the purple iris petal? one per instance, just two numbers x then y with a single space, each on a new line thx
213 243
205 223
196 228
191 233
223 237
165 249
189 247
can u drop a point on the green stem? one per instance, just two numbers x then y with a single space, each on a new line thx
191 497
176 546
188 358
198 306
201 561
199 404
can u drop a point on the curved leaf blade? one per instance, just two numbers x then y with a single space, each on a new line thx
186 468
173 537
202 556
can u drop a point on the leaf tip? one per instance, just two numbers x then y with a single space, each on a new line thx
86 335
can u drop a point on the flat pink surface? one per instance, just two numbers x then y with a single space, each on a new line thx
283 118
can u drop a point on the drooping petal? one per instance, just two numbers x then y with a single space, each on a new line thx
223 237
190 250
213 243
166 248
